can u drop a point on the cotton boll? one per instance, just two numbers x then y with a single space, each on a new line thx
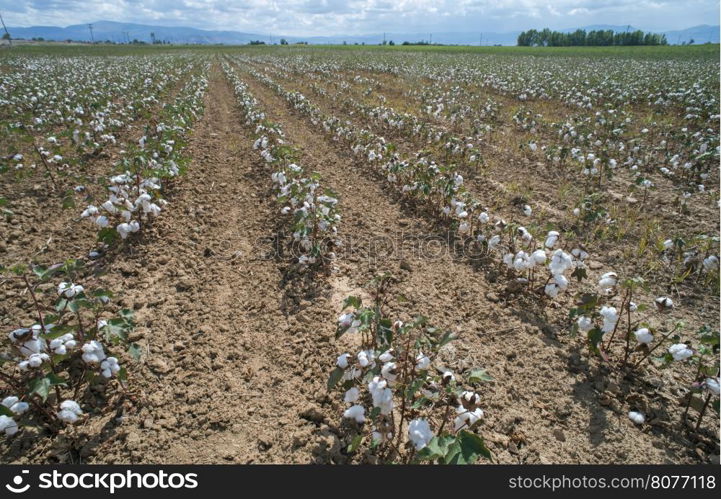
351 395
422 362
560 262
9 401
388 371
8 425
527 210
710 263
610 318
386 356
466 418
643 335
637 417
447 377
664 304
712 385
365 358
680 351
356 412
419 433
342 360
20 408
551 290
551 239
93 352
608 281
585 324
539 257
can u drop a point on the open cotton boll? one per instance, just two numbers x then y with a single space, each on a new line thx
109 366
356 413
560 262
365 358
351 395
466 418
8 425
608 281
551 289
643 335
610 318
585 324
539 257
712 385
388 371
69 290
664 303
422 362
680 351
342 360
710 263
93 352
551 239
637 417
419 433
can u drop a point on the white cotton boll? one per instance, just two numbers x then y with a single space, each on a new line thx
585 324
608 280
539 257
109 366
637 417
610 318
527 210
632 306
508 259
356 412
712 385
351 395
643 335
551 239
388 371
342 360
561 281
89 211
67 416
422 362
365 358
484 218
466 418
9 401
419 433
102 221
710 263
551 290
8 425
20 408
386 356
664 303
668 244
494 242
560 262
577 212
93 352
680 351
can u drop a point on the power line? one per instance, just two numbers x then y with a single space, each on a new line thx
90 27
10 40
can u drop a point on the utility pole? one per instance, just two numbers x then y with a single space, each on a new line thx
384 38
431 39
480 42
92 38
10 40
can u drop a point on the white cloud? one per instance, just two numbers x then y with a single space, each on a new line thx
328 17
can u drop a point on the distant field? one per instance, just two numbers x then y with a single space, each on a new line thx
706 51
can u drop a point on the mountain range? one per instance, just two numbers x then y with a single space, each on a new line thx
124 32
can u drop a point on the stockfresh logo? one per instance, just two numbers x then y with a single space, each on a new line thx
17 487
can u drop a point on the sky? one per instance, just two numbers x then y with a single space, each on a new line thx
355 17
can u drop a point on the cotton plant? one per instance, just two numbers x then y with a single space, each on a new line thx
311 210
400 404
48 365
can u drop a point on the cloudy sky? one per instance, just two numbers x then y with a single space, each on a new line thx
329 17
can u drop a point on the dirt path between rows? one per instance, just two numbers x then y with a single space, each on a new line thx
225 367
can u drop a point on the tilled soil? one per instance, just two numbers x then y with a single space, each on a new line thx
238 344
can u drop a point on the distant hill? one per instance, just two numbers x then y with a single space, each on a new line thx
122 32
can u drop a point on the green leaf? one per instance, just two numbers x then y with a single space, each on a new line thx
108 235
135 351
4 411
595 336
467 449
437 448
352 301
479 376
41 386
335 376
355 443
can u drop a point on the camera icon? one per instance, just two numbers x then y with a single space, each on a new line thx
18 487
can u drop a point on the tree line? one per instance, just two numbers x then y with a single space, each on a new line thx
548 38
